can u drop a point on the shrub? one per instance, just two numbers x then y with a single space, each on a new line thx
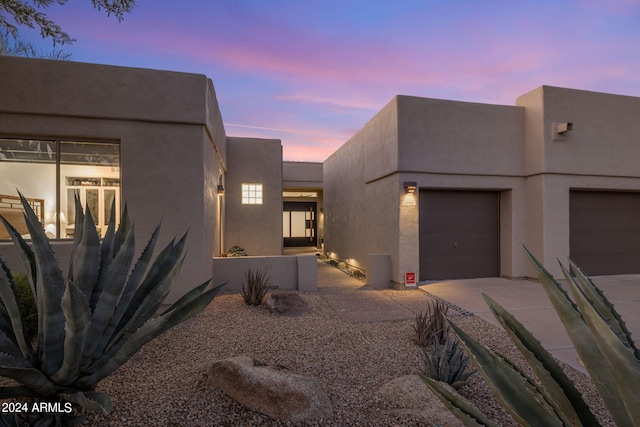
92 322
599 336
431 324
255 286
236 251
447 364
358 274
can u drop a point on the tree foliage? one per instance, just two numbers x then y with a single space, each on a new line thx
10 46
29 13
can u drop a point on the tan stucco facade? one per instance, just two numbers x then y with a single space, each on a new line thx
516 151
176 163
175 158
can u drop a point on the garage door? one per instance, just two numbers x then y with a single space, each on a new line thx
604 232
459 234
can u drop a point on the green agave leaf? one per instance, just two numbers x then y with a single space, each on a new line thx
519 395
78 319
131 343
86 257
91 400
464 410
49 289
583 341
10 300
564 396
111 333
114 281
22 371
621 360
107 251
158 285
160 267
124 228
603 307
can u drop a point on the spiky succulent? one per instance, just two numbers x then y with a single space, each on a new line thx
601 339
446 363
95 320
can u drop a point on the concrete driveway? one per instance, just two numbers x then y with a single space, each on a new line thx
528 302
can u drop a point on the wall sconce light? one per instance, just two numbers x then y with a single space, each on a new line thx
562 128
220 189
410 187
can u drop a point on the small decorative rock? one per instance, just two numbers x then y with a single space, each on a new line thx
274 391
289 304
413 397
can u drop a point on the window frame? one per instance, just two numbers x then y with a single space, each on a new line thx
252 193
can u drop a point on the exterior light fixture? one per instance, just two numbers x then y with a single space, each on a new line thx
562 128
410 187
220 189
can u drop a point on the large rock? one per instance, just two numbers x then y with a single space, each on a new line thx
409 395
274 391
289 304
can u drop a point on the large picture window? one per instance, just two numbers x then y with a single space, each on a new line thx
50 172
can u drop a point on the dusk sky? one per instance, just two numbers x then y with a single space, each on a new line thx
312 73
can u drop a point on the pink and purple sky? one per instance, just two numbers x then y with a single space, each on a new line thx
312 73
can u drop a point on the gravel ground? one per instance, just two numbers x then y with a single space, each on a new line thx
164 384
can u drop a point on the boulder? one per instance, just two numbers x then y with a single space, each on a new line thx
289 304
271 390
409 395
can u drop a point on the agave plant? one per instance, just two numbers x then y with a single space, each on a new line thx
447 364
601 339
92 322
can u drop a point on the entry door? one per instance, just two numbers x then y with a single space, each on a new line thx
459 234
299 227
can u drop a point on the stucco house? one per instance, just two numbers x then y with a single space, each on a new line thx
427 190
155 140
449 190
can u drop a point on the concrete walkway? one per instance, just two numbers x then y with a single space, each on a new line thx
357 302
525 299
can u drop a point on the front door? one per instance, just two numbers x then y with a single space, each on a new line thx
299 226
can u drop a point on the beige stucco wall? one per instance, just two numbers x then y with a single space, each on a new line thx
256 228
170 151
437 144
599 153
360 193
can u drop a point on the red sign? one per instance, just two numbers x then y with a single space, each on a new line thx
410 279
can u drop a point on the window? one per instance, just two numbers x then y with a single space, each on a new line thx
51 172
251 194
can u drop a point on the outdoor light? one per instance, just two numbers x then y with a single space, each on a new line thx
410 187
562 128
220 189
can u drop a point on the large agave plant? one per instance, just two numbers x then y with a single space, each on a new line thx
95 320
601 339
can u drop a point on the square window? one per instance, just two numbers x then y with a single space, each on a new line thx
251 194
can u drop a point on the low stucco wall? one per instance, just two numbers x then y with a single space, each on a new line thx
296 272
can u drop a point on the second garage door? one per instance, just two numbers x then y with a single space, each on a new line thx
459 234
604 235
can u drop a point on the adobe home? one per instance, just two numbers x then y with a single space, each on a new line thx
437 189
449 190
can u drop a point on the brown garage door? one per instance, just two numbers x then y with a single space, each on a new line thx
459 234
604 232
